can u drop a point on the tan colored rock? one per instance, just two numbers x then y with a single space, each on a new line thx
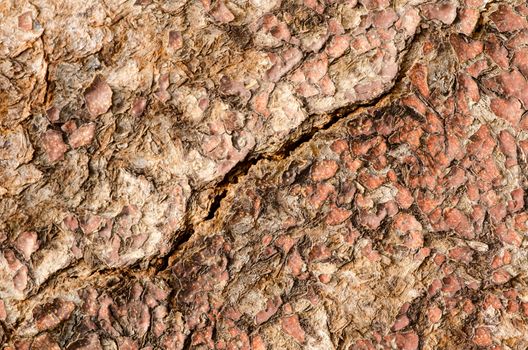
263 174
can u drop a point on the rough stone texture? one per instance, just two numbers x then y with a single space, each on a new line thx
311 174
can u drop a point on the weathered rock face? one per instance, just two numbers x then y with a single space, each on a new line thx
263 174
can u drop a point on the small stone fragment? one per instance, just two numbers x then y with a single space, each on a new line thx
53 114
292 327
138 107
466 50
482 337
434 314
221 13
25 21
507 109
3 313
337 46
83 136
407 341
444 12
468 20
175 40
507 20
53 145
69 127
418 77
98 97
324 170
27 244
501 276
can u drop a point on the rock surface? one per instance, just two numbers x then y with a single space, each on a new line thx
301 174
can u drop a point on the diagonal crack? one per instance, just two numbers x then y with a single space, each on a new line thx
305 134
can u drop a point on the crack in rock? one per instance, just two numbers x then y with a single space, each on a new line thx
235 175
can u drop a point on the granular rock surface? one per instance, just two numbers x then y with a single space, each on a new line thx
295 174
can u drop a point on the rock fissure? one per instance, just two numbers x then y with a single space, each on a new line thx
232 175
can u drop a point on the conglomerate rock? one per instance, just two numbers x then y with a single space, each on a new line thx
289 174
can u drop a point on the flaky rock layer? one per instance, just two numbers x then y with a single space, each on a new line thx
313 174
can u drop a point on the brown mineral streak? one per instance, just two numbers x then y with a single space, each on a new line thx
300 174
